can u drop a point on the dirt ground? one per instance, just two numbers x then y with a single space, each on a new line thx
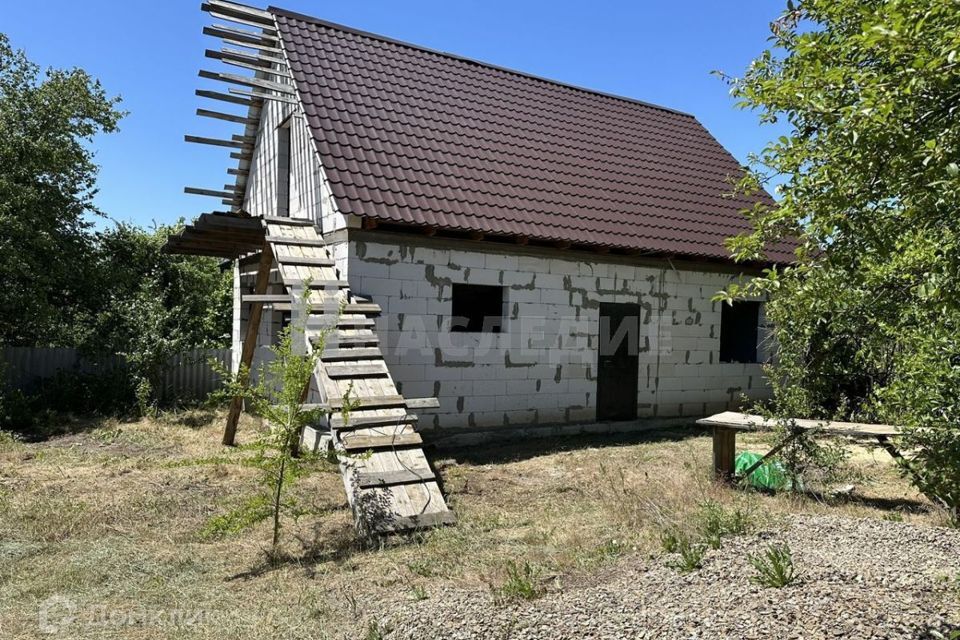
105 531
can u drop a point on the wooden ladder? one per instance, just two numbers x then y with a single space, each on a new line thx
393 488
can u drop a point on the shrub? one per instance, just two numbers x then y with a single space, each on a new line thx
774 567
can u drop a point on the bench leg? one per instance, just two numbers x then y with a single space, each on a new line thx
724 452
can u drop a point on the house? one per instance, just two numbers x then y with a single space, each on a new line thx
543 257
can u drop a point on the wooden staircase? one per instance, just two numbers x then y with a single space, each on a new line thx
388 479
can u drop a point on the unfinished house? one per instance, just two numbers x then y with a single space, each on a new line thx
518 256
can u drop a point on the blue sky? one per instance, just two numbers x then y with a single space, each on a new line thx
149 53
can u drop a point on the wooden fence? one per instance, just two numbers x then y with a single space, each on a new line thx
188 374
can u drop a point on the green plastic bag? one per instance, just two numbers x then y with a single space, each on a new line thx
769 475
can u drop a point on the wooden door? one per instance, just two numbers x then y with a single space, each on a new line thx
618 361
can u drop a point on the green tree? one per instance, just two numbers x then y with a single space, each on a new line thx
867 320
47 184
149 305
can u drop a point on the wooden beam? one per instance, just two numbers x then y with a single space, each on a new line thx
253 67
228 5
240 35
338 371
429 231
255 55
724 452
228 117
362 353
250 341
423 403
563 244
215 142
369 223
246 81
256 95
240 17
263 48
306 261
208 192
411 523
476 235
303 242
225 97
523 240
238 172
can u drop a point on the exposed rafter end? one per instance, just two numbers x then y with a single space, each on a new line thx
217 142
523 240
256 95
369 223
228 117
196 191
476 235
429 231
564 244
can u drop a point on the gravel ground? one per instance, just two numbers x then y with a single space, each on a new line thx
859 579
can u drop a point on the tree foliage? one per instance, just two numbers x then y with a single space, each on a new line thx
47 184
867 320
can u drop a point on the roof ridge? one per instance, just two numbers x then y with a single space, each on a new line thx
376 36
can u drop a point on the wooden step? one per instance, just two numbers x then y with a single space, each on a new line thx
327 307
290 222
412 523
363 443
339 371
360 353
372 402
370 479
423 403
302 242
340 340
358 420
354 322
305 261
316 284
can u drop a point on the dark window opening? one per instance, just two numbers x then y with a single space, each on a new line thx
738 331
284 168
477 308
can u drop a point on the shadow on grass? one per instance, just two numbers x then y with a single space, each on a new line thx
323 545
524 448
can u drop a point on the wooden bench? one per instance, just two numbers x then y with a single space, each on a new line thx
726 425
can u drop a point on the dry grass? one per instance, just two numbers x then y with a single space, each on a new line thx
112 519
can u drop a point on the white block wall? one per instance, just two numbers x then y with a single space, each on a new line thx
541 369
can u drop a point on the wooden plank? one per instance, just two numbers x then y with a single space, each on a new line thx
359 421
325 285
356 370
289 222
246 81
225 97
302 242
367 479
306 261
363 353
238 172
352 323
254 66
412 523
423 403
250 341
215 142
372 402
363 443
227 117
266 298
345 340
749 422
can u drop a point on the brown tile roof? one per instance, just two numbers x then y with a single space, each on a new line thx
409 135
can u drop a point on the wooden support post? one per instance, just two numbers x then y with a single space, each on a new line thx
249 341
724 452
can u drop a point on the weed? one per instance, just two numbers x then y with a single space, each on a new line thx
521 583
9 441
715 522
690 556
893 516
423 567
774 567
418 592
670 540
375 630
